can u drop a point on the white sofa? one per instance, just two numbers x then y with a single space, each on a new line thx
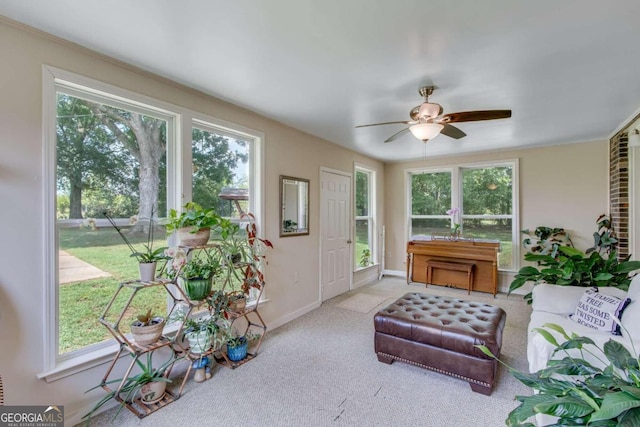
554 304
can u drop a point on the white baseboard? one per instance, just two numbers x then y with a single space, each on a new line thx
291 316
398 273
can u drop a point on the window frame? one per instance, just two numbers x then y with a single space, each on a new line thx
179 128
371 218
456 171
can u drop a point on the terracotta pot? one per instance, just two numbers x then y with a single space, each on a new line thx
145 335
237 302
199 238
147 271
152 392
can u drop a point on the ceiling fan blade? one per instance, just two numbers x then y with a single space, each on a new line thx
395 135
404 122
475 116
452 131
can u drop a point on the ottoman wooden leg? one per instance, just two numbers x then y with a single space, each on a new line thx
385 359
481 389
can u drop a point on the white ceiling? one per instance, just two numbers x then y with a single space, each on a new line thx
569 69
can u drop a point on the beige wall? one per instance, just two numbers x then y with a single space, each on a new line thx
562 186
22 296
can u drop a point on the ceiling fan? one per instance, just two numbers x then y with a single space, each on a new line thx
427 120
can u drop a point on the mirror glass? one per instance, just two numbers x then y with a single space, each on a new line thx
294 203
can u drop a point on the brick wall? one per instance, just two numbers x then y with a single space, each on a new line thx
619 191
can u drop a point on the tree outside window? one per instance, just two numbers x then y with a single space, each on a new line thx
364 251
484 196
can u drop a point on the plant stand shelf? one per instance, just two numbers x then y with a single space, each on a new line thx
141 409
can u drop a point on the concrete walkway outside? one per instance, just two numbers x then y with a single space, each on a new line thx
72 269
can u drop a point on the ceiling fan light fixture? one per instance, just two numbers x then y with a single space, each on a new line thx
429 110
426 131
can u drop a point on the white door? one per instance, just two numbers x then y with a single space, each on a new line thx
335 220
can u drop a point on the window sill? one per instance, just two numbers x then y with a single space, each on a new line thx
97 357
369 267
80 363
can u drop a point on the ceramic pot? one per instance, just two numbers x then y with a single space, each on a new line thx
145 335
237 353
147 271
197 289
199 342
152 392
199 238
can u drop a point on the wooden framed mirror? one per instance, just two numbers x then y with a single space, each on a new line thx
294 206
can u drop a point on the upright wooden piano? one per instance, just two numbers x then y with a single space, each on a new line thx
463 263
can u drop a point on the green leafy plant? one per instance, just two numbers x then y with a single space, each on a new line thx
546 240
365 257
235 339
604 240
194 216
132 385
200 268
149 254
576 391
568 266
147 319
573 267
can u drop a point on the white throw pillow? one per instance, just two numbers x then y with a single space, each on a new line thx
631 316
556 299
596 310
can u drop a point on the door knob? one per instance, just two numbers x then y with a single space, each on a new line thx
349 242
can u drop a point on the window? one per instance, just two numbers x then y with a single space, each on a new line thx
365 242
220 170
110 150
485 196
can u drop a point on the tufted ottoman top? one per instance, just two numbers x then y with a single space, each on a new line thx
443 322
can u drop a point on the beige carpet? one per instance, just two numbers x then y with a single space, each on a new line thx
362 303
321 370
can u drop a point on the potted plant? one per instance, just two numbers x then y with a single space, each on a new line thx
238 345
193 224
147 329
149 257
577 392
237 301
206 331
253 272
197 276
365 257
568 266
150 383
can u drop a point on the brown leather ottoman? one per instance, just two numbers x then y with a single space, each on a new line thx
439 333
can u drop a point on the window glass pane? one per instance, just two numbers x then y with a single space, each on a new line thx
430 193
487 191
362 194
108 160
429 226
497 229
363 243
220 173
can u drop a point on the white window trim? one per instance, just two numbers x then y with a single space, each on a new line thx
456 197
178 193
371 198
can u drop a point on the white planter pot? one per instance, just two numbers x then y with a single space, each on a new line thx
199 342
147 271
145 335
152 392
